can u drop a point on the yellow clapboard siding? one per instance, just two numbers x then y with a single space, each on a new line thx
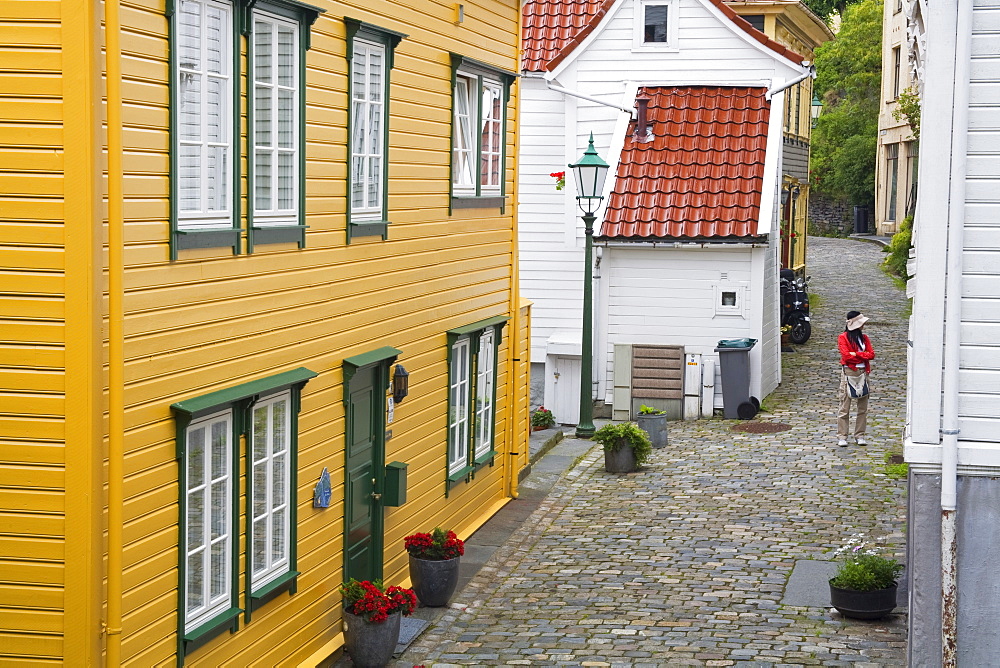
33 572
33 427
48 284
34 548
52 405
40 110
32 500
154 634
31 620
30 34
32 524
159 653
145 139
31 134
31 60
33 380
34 453
21 596
148 579
34 306
27 209
38 257
32 185
31 332
40 85
32 648
13 476
33 10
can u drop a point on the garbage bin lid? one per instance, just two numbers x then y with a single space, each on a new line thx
737 343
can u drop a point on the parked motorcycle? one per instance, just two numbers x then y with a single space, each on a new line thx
795 305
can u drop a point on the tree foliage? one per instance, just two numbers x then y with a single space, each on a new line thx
825 8
849 73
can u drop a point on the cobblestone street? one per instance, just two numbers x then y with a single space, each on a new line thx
686 562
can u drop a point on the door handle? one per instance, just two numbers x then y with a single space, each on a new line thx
376 496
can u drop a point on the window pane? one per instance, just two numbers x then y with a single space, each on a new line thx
215 110
219 569
260 545
262 181
262 116
216 43
374 181
196 519
286 181
220 508
196 581
359 65
278 479
220 448
263 49
196 457
189 117
357 182
260 489
656 23
259 433
286 119
278 536
286 56
375 76
189 35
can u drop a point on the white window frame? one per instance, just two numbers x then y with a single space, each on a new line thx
362 107
477 135
738 290
275 214
459 389
265 503
223 601
203 218
639 42
485 388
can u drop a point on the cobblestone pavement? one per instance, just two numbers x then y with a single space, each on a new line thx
686 562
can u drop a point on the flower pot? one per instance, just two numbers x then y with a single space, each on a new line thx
863 604
620 460
538 428
654 424
369 644
434 581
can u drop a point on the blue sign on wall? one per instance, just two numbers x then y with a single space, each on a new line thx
323 491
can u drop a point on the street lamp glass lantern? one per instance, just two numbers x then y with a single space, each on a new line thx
590 173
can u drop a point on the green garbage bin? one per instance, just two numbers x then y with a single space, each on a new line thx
734 364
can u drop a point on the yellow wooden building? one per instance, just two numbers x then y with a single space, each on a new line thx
792 24
220 247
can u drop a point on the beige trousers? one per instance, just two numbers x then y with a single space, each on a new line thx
844 412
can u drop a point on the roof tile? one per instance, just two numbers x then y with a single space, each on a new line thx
702 171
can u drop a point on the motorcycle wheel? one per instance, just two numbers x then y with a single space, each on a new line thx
801 329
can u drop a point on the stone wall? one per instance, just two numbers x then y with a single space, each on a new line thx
829 217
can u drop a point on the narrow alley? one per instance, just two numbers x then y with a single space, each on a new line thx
688 561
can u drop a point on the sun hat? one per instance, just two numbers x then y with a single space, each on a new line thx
857 321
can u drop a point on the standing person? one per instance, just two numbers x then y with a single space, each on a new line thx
856 354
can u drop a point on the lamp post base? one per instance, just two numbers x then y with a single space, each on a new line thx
585 431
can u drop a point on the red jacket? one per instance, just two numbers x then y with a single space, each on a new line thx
852 361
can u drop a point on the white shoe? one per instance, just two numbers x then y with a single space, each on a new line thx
842 443
861 440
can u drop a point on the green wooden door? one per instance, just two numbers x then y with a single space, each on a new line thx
364 471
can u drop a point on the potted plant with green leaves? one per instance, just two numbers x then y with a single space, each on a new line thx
435 558
372 615
626 446
864 586
653 421
542 418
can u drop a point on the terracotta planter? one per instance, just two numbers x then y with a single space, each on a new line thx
371 645
863 604
620 460
434 581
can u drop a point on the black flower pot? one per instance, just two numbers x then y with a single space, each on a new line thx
620 460
434 582
371 644
863 604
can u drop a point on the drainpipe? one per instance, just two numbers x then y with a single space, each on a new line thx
116 357
589 98
514 429
811 72
952 345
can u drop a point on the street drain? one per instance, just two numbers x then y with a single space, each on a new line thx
762 427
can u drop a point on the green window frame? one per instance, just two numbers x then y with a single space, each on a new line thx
274 84
480 97
203 72
214 76
370 56
235 408
473 365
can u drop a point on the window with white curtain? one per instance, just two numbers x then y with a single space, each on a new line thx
477 141
458 405
205 119
271 493
208 520
485 387
368 75
472 380
276 100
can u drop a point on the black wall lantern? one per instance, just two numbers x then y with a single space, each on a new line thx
400 384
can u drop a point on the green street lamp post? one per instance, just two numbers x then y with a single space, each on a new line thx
589 174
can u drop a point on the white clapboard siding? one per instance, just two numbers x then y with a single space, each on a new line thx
770 343
667 297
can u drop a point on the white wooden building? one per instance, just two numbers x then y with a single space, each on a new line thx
953 400
671 282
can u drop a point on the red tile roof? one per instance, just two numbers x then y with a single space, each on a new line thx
701 174
551 29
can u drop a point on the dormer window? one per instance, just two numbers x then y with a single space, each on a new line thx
655 25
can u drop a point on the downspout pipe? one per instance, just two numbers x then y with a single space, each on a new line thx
116 356
811 73
589 98
952 338
514 430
